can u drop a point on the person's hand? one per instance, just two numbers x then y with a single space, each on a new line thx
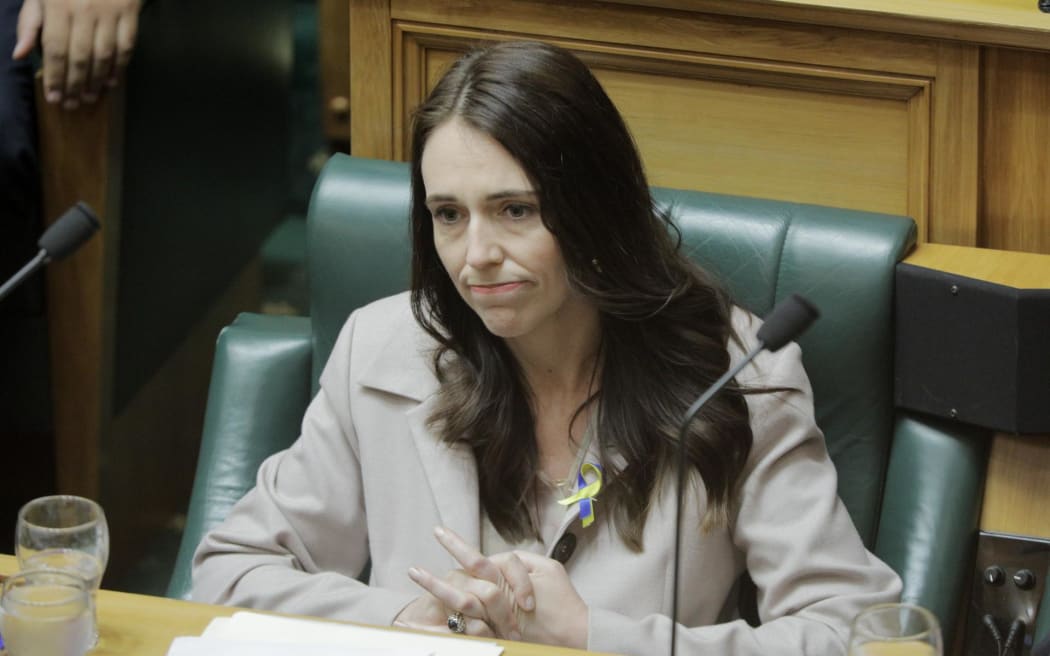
428 613
86 43
561 616
488 591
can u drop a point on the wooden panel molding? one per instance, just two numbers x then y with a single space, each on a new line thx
954 148
678 31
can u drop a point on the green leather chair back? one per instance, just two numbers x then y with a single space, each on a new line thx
916 506
357 242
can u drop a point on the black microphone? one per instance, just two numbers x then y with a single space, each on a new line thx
785 322
60 239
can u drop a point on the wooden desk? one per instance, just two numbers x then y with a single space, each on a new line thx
145 626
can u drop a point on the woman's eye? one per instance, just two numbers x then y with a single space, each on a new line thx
445 214
518 211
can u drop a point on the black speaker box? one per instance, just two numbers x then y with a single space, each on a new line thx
972 351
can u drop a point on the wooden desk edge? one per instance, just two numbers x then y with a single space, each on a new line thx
188 618
990 24
1010 268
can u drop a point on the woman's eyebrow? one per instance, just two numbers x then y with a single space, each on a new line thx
511 193
499 195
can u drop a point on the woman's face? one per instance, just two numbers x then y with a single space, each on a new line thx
491 240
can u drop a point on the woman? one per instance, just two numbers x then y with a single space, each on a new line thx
525 400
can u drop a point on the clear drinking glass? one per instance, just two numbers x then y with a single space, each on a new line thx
46 612
66 533
895 630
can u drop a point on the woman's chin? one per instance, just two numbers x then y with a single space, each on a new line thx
506 327
506 331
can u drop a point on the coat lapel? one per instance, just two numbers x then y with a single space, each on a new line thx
450 470
452 474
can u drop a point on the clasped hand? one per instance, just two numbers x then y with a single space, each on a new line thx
515 595
86 44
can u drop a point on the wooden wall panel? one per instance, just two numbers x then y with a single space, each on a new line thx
677 31
333 46
1015 184
745 139
779 130
1017 494
954 147
371 88
976 136
788 111
787 144
81 290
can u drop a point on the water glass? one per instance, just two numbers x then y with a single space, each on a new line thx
67 533
46 612
895 630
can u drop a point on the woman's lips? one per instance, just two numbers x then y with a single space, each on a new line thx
498 288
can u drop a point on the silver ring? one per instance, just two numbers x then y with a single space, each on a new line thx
456 623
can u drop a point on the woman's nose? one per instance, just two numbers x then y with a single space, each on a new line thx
483 244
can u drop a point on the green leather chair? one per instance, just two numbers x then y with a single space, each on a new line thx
912 484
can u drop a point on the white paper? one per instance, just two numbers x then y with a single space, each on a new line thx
247 626
191 646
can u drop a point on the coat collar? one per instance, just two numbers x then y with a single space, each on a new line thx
403 365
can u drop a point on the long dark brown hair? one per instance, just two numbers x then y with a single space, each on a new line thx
665 325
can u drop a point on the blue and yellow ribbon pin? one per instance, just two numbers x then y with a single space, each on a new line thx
586 492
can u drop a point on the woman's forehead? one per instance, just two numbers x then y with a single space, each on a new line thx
459 160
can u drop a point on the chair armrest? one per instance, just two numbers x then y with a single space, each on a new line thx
930 511
260 387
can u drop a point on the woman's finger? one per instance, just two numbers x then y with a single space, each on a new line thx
472 560
451 596
473 597
504 570
517 577
474 627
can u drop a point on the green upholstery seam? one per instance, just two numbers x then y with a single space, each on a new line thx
780 255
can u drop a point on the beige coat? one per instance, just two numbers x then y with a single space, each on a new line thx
367 481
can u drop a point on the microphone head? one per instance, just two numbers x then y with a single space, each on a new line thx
786 321
69 231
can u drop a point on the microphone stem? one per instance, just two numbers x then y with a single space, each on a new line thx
682 432
23 273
